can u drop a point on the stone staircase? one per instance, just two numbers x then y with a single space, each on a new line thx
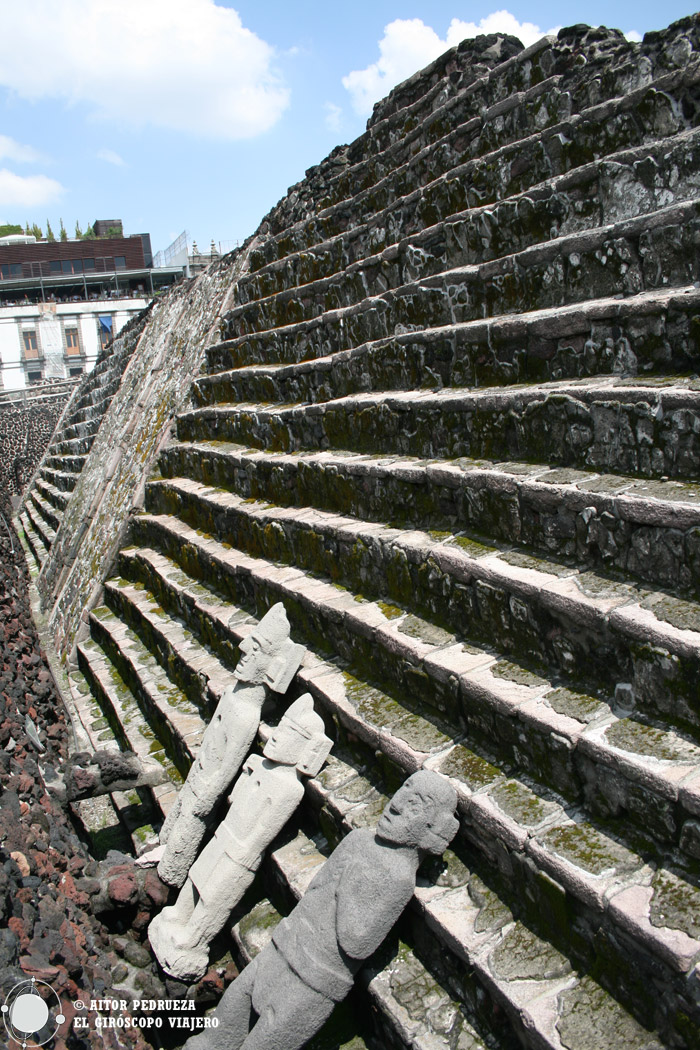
60 468
453 425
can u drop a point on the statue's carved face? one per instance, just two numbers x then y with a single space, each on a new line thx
254 662
286 744
415 818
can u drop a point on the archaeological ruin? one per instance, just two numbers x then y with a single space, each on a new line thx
444 406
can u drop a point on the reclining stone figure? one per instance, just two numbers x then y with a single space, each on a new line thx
269 660
289 990
263 799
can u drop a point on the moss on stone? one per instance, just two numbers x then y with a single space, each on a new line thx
580 706
474 548
471 769
681 614
584 846
676 903
522 804
630 735
424 631
515 673
523 956
529 561
494 914
589 1019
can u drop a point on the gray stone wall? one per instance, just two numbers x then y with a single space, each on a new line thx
26 425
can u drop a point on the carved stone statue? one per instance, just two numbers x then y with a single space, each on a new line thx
269 660
264 797
284 996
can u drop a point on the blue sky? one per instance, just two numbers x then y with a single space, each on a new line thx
199 114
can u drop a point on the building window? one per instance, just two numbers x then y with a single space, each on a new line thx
72 341
89 264
105 328
120 262
31 348
55 265
75 370
34 377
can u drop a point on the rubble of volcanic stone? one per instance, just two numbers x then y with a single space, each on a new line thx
65 918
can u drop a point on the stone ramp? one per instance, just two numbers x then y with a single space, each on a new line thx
452 423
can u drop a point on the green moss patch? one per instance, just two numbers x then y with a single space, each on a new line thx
580 706
471 769
587 848
515 673
523 805
590 1019
630 735
523 956
424 631
675 904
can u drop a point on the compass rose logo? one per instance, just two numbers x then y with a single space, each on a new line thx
32 1013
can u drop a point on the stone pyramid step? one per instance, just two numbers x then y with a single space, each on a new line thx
108 817
73 446
648 333
520 710
51 494
643 527
619 259
34 542
63 481
508 169
594 194
201 676
411 1006
48 511
593 867
66 464
126 719
39 525
402 123
368 171
81 428
625 426
166 711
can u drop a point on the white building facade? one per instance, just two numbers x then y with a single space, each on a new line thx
57 340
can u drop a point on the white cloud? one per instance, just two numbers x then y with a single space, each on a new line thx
111 157
634 36
188 65
333 118
497 22
29 190
408 45
12 150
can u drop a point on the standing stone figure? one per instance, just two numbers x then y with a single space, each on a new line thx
284 996
269 660
263 799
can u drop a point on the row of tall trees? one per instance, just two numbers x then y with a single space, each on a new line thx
34 228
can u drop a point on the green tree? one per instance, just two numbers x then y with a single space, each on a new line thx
37 231
89 234
49 232
62 233
78 231
6 230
